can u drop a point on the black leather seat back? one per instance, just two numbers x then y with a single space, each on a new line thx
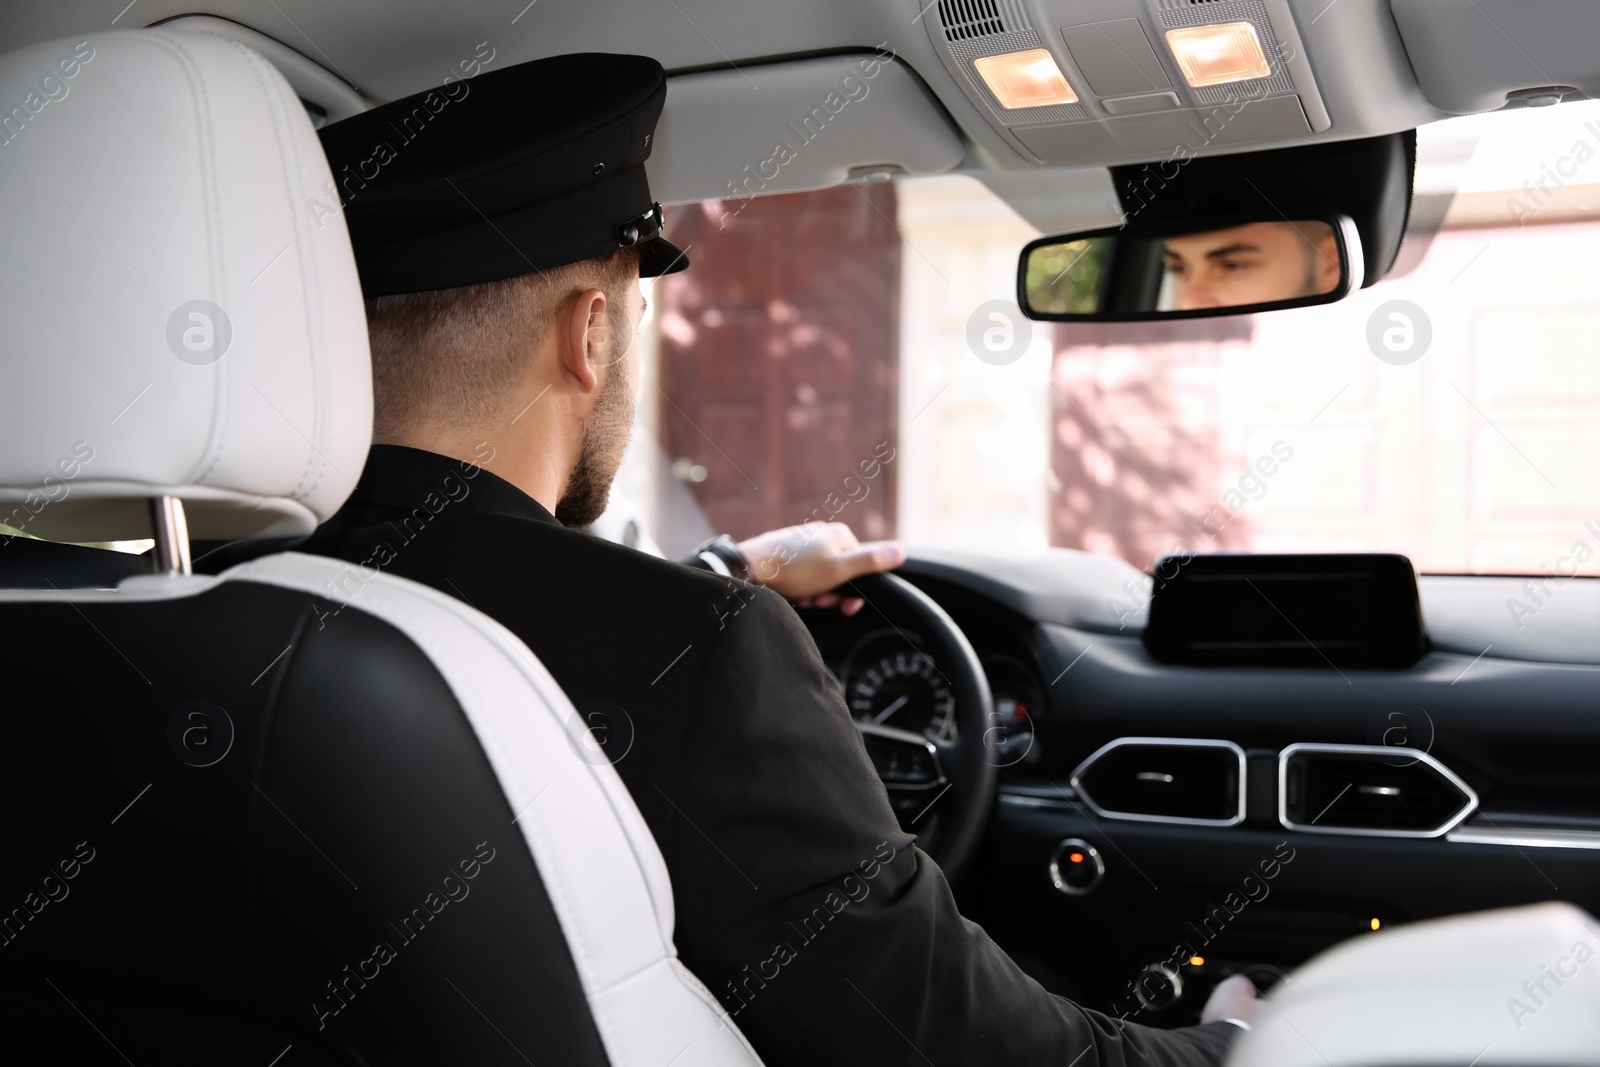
231 830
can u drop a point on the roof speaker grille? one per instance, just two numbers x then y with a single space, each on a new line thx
966 19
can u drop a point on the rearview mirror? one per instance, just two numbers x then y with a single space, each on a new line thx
1218 267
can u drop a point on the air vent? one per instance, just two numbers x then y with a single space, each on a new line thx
1371 790
1165 779
965 19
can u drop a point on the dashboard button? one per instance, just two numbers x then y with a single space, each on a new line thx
1076 867
1159 987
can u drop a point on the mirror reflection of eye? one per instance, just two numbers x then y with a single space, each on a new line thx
1166 267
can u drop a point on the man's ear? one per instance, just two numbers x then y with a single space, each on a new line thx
586 338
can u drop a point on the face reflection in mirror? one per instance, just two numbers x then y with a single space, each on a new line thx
1256 263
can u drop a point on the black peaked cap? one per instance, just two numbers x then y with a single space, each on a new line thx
506 173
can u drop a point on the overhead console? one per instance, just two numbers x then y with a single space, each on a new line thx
1247 610
1130 80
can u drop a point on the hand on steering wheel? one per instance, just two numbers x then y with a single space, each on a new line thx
806 563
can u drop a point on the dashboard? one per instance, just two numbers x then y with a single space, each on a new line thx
1161 826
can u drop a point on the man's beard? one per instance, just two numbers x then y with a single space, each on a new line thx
605 437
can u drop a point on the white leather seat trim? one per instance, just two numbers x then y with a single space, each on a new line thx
600 864
1440 992
170 167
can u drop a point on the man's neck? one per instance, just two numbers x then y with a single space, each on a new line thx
528 460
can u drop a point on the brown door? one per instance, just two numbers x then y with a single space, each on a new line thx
779 358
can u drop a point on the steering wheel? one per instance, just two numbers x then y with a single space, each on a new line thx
940 790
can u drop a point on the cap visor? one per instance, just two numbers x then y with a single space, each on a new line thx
659 256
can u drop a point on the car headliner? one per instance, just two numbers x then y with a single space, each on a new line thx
1379 67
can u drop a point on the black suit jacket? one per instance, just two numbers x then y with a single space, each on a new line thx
800 902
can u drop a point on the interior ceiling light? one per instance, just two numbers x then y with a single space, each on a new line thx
1219 54
1025 79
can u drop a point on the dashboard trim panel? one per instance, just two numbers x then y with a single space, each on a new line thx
1524 836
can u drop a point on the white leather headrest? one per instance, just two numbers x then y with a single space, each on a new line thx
147 180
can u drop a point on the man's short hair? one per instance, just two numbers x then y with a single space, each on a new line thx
452 356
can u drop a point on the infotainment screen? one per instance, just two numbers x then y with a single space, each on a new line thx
1242 609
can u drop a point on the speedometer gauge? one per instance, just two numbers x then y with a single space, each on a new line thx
905 690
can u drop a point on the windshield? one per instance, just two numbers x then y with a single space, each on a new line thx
1450 412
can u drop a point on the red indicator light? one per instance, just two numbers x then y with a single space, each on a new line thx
1075 857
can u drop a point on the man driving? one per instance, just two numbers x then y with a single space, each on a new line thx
500 251
1258 263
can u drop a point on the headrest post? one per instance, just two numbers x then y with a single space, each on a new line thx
172 535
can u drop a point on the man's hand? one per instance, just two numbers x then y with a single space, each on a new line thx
1234 998
804 562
